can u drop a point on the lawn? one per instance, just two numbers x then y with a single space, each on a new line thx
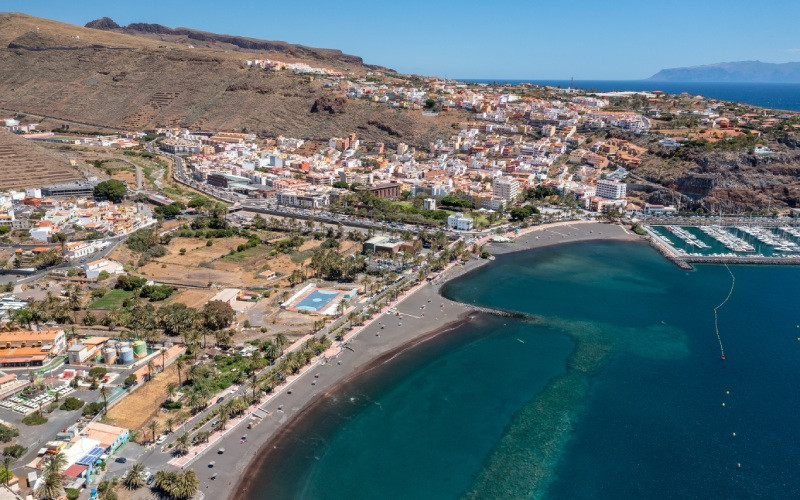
112 300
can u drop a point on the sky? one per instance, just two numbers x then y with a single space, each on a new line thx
498 39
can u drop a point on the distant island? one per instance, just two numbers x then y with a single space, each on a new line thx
739 71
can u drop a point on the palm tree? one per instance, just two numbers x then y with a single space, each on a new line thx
50 488
189 483
151 367
194 400
61 239
153 426
55 464
192 373
224 415
179 364
104 394
171 390
182 444
7 461
282 342
170 423
134 478
272 352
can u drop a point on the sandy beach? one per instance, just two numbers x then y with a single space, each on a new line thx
420 316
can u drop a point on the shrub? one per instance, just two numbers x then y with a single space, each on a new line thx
5 476
130 380
97 372
15 450
72 493
102 275
7 433
92 409
156 292
173 405
98 293
71 403
35 418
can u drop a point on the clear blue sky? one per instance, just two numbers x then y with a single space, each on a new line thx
503 39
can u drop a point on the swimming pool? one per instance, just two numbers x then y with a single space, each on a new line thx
317 300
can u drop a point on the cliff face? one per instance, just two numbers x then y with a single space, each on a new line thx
730 180
237 42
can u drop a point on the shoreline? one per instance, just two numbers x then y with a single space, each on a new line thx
373 345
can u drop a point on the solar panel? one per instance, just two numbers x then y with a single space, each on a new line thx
91 457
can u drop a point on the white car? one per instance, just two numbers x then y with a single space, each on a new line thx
161 439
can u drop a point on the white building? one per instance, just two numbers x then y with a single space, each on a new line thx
429 204
305 200
94 268
78 249
611 189
460 222
505 188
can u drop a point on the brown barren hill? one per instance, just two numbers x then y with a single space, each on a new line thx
23 164
135 79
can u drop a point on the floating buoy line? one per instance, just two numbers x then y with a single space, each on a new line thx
716 319
719 337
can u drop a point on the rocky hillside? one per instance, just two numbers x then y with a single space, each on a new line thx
713 180
129 78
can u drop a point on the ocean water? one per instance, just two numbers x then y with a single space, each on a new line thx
611 387
768 95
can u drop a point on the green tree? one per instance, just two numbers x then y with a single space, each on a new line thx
112 190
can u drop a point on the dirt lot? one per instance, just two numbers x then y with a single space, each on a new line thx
193 297
140 407
176 268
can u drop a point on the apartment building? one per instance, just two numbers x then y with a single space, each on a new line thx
505 188
611 190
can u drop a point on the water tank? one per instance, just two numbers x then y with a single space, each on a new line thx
126 355
122 345
109 355
140 348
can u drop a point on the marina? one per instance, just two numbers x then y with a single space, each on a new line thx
733 243
730 241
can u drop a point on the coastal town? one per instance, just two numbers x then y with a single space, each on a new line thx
172 295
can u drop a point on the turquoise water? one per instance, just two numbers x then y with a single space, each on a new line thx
613 388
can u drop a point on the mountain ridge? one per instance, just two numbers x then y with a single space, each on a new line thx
735 71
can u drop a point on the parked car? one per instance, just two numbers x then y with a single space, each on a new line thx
120 460
161 439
